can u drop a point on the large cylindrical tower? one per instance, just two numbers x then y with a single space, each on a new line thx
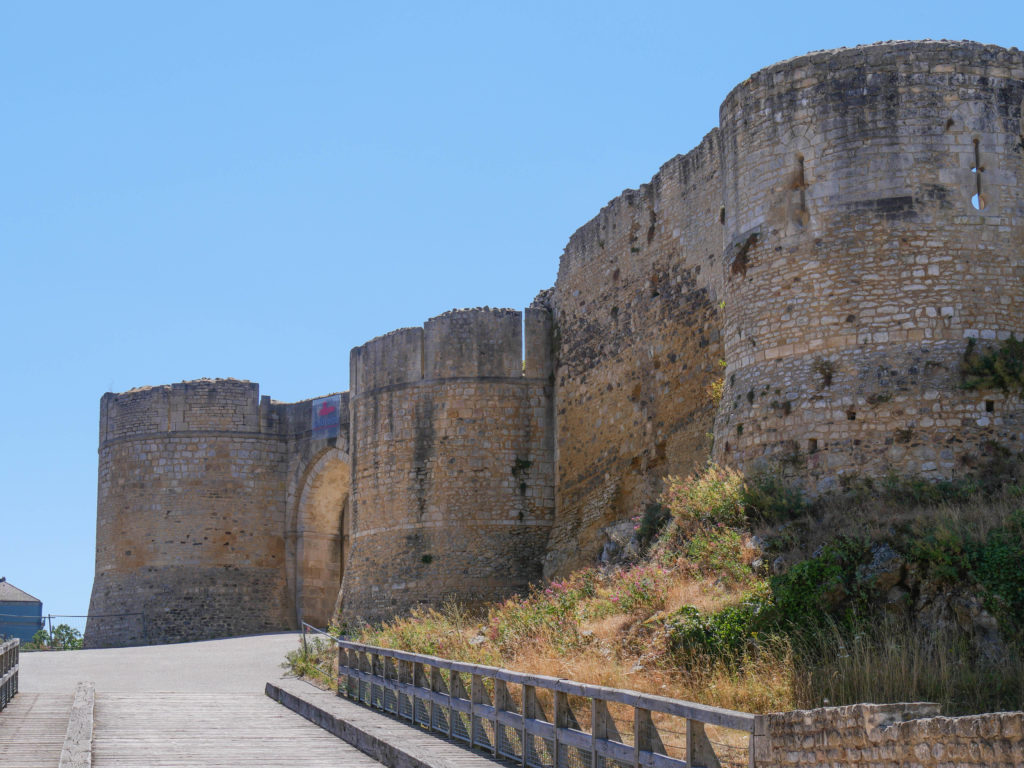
874 208
452 461
190 515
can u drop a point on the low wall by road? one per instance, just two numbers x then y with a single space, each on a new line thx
883 735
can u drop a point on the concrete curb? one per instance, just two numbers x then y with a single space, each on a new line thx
361 738
77 749
375 734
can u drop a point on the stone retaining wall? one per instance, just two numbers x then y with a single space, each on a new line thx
888 735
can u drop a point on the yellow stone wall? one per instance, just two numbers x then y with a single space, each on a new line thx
818 252
856 267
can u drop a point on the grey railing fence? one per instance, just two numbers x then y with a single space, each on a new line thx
540 721
8 671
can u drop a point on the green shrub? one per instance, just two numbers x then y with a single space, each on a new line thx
999 367
943 552
823 588
770 499
726 633
652 523
998 565
714 495
315 659
719 550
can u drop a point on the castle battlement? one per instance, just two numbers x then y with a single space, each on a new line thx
823 258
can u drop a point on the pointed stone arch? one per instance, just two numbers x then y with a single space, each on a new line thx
321 535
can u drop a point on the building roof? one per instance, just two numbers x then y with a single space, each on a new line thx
11 594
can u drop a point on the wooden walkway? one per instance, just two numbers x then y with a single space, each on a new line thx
395 743
32 729
215 730
173 730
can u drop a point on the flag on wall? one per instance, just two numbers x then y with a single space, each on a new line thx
327 416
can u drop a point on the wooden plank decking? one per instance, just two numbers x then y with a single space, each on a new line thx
32 729
199 730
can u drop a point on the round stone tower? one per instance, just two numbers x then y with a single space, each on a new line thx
190 516
452 461
874 215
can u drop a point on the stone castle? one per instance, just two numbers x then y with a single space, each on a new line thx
825 254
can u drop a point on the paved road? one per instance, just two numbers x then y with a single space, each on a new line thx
235 665
200 705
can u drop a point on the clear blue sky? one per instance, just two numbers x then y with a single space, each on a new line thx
249 189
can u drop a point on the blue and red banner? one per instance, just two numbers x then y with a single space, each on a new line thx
327 416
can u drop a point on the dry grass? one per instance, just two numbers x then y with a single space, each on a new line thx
610 628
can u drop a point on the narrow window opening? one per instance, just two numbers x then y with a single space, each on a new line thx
851 415
522 342
803 184
990 406
739 429
978 199
798 201
812 445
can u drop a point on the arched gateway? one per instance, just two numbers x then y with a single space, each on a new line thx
321 535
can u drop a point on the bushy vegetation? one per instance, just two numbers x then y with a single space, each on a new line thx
316 659
702 616
63 638
998 367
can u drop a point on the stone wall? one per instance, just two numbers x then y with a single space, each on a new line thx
636 321
189 513
889 736
822 244
194 512
452 461
856 266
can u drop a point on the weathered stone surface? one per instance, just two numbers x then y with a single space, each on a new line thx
856 266
453 462
887 736
818 255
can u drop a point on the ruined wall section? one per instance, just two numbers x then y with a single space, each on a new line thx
857 268
190 515
452 461
636 315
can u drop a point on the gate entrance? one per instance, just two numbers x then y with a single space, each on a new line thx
322 537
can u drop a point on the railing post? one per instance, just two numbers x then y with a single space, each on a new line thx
377 663
476 696
353 664
560 719
337 686
456 690
530 708
645 736
403 674
419 680
600 722
392 666
364 666
437 686
699 751
502 703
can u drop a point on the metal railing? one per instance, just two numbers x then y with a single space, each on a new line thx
319 655
8 671
506 713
